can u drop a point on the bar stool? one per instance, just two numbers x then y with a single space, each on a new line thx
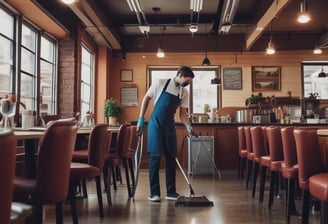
272 161
289 169
309 164
318 187
242 157
259 148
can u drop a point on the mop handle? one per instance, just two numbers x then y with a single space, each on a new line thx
185 176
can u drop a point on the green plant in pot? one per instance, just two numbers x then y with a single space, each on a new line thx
112 110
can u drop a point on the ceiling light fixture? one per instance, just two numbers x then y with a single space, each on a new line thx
303 16
193 28
68 1
270 49
135 5
196 5
206 61
317 50
216 80
322 74
160 52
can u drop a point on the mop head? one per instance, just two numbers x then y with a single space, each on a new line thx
183 201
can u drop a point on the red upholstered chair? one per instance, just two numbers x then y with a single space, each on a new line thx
242 149
97 148
53 169
259 148
250 154
309 164
7 173
272 161
119 156
318 187
289 169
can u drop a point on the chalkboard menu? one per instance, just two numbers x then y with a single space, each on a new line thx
232 78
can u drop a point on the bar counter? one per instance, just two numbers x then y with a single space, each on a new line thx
225 141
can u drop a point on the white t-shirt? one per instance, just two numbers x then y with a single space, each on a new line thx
157 87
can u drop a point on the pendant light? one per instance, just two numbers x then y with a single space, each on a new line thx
160 52
270 49
322 74
303 16
206 61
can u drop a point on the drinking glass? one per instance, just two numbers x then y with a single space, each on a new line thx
8 109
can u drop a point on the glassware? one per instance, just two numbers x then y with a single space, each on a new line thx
8 110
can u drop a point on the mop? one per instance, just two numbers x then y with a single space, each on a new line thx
191 201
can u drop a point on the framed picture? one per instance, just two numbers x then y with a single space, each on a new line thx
126 75
232 78
266 78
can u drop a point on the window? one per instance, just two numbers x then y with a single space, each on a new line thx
313 82
201 91
87 81
7 23
29 71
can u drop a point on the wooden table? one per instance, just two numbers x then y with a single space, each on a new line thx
31 141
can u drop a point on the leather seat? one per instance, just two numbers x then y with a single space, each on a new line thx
289 169
309 164
7 172
242 152
53 170
97 148
318 188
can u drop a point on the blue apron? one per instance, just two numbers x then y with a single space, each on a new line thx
161 126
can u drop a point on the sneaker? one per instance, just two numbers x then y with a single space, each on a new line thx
154 198
172 197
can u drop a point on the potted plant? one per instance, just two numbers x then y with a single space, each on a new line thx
112 110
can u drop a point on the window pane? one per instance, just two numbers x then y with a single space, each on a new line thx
6 62
6 24
86 74
28 61
47 49
46 85
203 91
27 91
28 38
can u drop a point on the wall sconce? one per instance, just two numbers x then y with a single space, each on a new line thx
303 16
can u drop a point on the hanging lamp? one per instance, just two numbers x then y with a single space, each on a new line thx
206 61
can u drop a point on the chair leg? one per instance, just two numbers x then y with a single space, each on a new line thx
59 213
239 167
255 173
99 196
37 214
305 206
107 185
273 178
125 164
84 189
249 172
243 161
114 177
262 182
324 212
72 199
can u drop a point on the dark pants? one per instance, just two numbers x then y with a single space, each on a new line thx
170 168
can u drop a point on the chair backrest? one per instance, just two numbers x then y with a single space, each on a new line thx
258 141
273 134
133 138
289 146
7 173
98 145
308 155
122 144
55 156
241 138
248 139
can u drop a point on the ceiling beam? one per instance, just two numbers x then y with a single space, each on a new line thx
276 7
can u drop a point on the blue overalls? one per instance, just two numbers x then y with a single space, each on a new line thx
162 140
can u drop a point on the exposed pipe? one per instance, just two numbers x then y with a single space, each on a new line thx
228 12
